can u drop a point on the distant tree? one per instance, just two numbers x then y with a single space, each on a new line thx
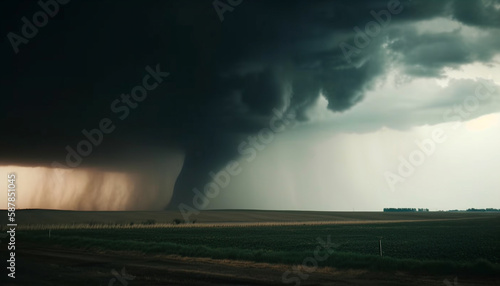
483 210
400 209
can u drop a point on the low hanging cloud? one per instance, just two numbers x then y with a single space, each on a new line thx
225 77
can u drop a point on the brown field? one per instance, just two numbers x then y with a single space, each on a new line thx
58 217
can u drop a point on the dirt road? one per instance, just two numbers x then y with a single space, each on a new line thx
58 266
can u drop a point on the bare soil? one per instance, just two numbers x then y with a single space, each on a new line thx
59 266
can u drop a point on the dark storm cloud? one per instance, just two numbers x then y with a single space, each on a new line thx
225 77
426 55
484 13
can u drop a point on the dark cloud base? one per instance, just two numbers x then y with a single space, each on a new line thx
225 77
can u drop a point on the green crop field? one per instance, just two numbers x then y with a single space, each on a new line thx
468 245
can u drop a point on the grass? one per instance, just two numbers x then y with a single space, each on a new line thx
60 217
445 247
338 259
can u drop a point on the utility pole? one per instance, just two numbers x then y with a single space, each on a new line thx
380 245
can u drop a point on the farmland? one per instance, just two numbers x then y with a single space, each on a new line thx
422 244
457 240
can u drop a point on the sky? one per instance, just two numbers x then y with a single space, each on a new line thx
300 105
